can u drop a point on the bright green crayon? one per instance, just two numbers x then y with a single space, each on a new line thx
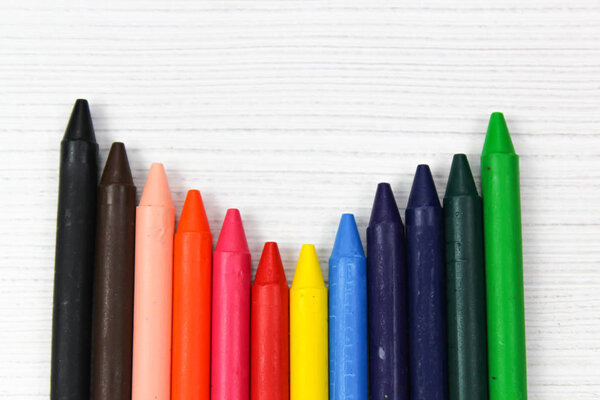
504 263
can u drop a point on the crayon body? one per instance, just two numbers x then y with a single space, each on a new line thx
155 220
348 368
113 280
504 263
75 244
426 290
269 346
230 361
192 266
308 329
387 299
465 285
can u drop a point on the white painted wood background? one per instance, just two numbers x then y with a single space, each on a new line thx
293 111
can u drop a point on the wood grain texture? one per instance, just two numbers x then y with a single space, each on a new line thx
292 111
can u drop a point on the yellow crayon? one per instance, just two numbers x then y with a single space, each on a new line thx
308 330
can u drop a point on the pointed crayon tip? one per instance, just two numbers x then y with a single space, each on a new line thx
423 193
193 216
270 268
497 139
385 208
347 241
80 125
232 237
156 190
116 169
460 180
308 270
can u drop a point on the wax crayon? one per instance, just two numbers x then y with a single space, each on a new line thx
426 290
503 263
348 368
192 267
152 308
465 285
230 363
270 341
113 280
308 329
75 251
387 299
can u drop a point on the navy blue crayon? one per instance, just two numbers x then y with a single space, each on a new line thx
387 300
426 290
348 315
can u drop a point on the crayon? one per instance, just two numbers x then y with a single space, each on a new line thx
192 274
152 307
75 251
387 299
348 367
113 280
230 362
465 285
503 263
308 329
426 290
269 336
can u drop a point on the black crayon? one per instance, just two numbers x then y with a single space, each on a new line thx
74 262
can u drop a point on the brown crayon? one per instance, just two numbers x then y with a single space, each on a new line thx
113 281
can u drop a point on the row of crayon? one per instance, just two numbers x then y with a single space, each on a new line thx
433 311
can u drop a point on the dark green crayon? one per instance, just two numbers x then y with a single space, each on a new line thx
465 285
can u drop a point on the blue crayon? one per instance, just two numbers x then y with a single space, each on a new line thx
348 315
426 290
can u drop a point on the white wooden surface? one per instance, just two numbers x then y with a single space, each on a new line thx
292 111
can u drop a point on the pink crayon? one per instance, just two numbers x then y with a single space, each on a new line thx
230 355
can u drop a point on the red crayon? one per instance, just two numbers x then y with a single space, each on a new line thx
270 346
230 356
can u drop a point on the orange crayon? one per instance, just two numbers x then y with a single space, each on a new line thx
155 220
192 302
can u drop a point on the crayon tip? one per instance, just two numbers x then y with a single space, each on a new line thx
308 270
232 237
193 216
116 169
385 208
497 139
156 190
423 193
460 180
270 268
80 125
347 241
